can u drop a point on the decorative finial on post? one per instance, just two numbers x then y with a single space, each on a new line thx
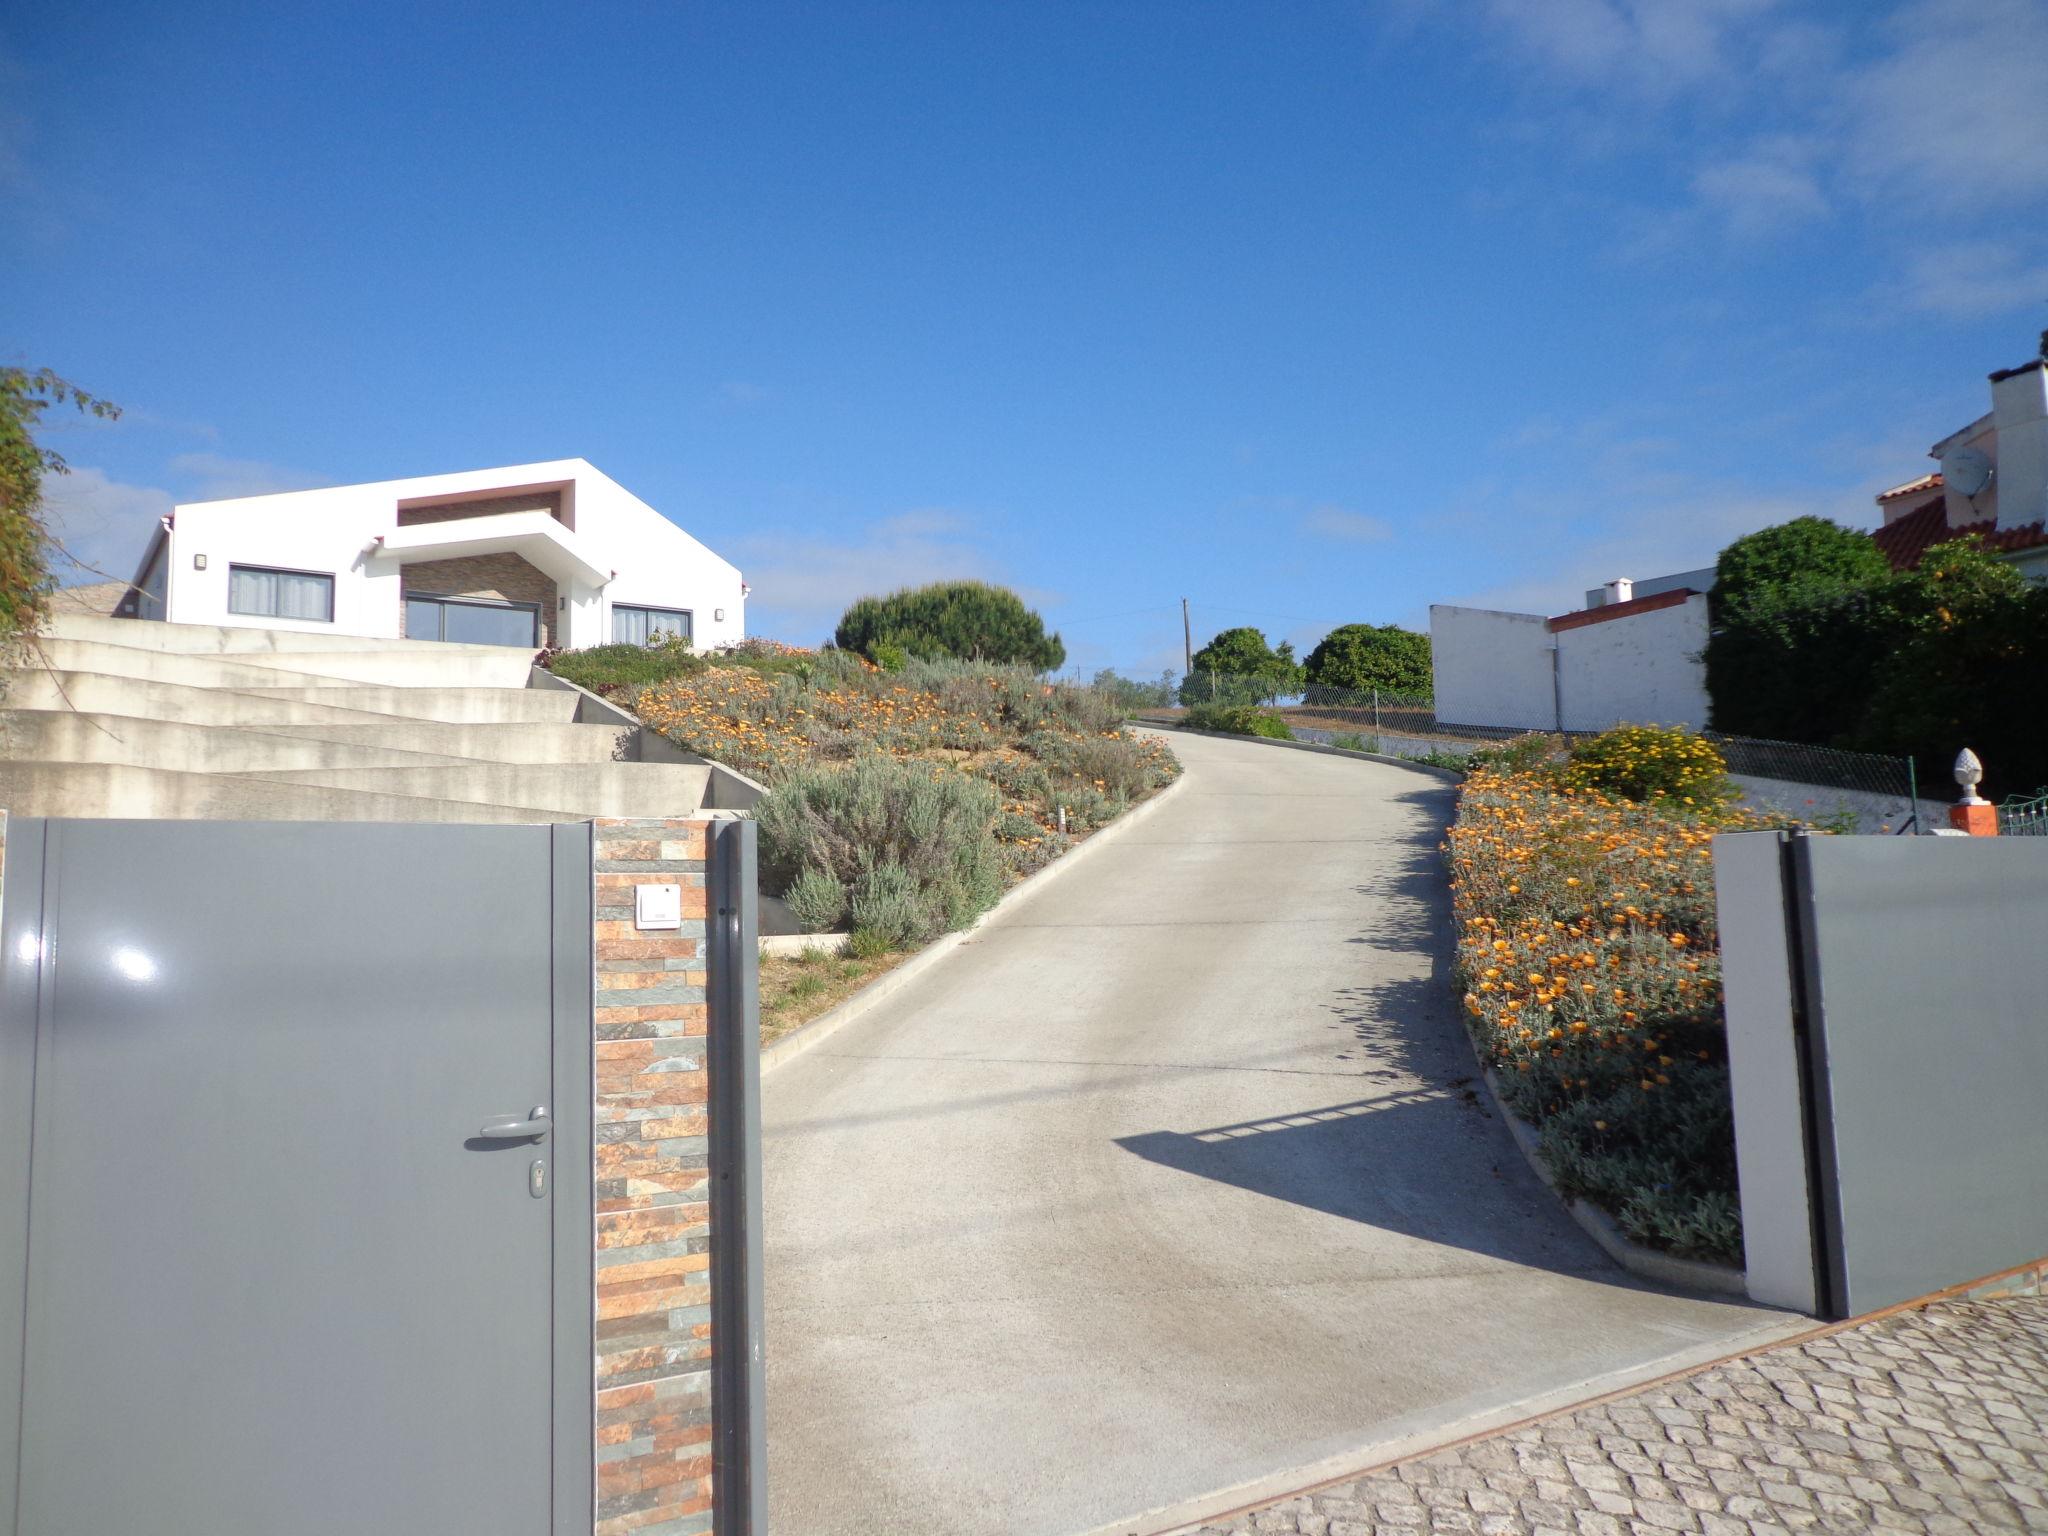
1969 774
1973 813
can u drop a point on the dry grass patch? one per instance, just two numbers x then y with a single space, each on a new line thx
796 989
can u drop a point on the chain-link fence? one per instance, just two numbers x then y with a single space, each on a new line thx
1314 706
1861 791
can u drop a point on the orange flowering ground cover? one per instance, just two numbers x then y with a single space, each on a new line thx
1592 985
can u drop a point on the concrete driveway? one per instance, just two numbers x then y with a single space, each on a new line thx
1170 1179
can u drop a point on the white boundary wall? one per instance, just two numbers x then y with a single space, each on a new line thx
1511 670
1492 668
1636 669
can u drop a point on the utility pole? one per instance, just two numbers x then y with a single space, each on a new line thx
1187 638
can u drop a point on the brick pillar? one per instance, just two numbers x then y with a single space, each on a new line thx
1978 818
653 1324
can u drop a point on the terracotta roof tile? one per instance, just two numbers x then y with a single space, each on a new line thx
1904 541
1912 487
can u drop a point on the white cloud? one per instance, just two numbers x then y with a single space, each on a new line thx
101 523
1644 46
740 392
1764 191
1333 522
801 585
217 477
1932 106
1970 279
1952 114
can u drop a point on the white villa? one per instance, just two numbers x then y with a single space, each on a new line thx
554 554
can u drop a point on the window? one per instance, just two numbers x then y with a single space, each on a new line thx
280 594
644 626
471 621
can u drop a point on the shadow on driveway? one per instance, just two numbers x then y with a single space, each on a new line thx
1419 1157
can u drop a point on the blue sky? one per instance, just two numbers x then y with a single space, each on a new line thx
1310 312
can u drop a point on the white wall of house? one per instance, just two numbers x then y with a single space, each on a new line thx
1639 669
637 555
2019 411
1496 669
1492 668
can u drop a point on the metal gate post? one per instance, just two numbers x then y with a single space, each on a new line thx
738 1406
21 963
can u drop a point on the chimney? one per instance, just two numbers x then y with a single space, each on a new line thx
1620 590
2019 415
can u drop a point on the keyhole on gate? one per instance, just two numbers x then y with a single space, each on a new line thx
537 1179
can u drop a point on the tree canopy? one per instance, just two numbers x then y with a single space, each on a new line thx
25 546
1816 643
1239 667
1800 613
969 620
1367 656
1807 560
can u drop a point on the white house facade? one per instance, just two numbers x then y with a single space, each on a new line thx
554 554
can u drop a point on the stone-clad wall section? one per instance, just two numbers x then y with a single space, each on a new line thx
507 578
653 1327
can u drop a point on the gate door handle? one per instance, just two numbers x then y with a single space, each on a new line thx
512 1128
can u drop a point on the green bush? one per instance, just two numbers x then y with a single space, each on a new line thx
1238 720
888 902
912 845
1794 564
1816 640
968 620
1800 615
1649 762
1971 650
817 900
621 671
1362 657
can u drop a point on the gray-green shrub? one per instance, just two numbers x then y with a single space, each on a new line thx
816 900
889 832
887 902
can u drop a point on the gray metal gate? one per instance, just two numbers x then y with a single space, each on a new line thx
282 1244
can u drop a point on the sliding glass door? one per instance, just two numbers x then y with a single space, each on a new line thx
472 621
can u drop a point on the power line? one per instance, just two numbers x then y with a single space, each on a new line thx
1268 613
1130 613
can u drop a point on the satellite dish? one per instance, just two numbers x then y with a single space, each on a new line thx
1966 471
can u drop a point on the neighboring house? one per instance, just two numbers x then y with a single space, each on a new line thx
1634 653
2008 449
554 554
1631 656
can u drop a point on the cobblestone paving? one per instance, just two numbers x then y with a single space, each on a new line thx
1932 1423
